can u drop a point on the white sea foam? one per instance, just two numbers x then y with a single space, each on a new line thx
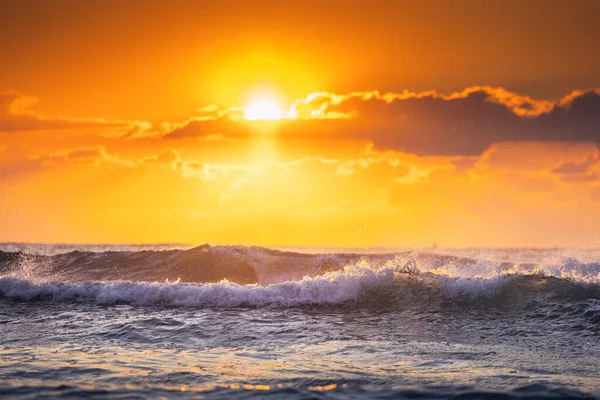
331 288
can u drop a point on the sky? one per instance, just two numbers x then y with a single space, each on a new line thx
339 123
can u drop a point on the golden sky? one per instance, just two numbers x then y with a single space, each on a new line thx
313 123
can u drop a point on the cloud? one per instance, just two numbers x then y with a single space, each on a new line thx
94 155
328 105
13 103
408 169
464 123
587 170
207 171
86 155
371 157
75 157
210 128
210 123
234 175
168 155
575 167
16 116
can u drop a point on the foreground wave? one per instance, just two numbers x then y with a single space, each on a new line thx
247 276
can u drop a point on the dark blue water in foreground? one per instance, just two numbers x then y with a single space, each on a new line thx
486 324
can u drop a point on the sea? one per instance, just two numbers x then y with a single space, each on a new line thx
233 322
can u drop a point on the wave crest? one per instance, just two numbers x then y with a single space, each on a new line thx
397 282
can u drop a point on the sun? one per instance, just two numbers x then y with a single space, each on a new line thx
263 109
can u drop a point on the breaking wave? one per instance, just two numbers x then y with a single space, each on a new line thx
236 276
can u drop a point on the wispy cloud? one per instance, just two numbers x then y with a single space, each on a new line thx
16 116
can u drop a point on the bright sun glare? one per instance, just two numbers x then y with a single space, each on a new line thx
263 109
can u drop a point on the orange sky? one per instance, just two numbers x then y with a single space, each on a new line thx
463 123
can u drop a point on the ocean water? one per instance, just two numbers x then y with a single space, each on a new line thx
239 322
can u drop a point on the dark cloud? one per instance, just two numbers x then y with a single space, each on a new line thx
464 123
